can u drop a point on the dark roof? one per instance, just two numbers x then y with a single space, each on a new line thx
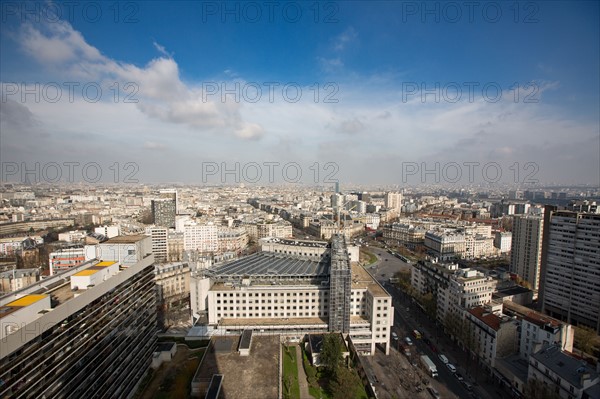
266 264
567 367
246 339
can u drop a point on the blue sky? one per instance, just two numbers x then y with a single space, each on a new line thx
375 56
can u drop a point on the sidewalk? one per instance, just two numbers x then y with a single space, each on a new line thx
304 394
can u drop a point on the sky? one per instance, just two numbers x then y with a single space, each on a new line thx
364 92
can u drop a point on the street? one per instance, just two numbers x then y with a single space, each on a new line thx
408 317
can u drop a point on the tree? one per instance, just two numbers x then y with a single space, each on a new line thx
331 352
584 339
345 385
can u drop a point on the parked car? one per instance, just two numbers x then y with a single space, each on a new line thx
434 393
459 377
443 358
408 341
394 336
451 367
467 385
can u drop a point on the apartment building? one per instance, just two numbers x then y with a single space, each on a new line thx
159 237
495 335
467 289
201 237
563 374
526 248
231 239
175 246
571 287
89 332
409 235
539 330
14 280
69 257
503 241
172 281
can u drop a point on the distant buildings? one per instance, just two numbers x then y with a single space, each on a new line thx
406 234
201 237
164 211
72 236
393 201
159 236
526 248
108 231
571 289
14 280
503 241
10 246
258 230
70 257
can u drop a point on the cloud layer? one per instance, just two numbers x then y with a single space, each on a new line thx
369 131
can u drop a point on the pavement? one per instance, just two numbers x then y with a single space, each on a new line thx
302 381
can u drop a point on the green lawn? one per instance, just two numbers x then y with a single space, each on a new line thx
291 388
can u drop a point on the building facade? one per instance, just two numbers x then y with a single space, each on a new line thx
92 336
293 295
526 248
571 289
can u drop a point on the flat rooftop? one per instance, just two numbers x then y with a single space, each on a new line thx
95 268
361 279
126 239
19 304
267 264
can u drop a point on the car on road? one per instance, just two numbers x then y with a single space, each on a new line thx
451 367
395 336
407 340
433 392
467 385
443 358
459 377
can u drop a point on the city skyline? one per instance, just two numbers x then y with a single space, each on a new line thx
372 92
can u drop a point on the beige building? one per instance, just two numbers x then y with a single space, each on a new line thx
293 294
232 239
174 246
409 235
14 280
467 288
494 334
526 249
173 281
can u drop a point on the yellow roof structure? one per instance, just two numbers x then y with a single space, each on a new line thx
87 272
26 300
106 263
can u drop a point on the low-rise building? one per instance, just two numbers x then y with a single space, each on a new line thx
562 373
493 334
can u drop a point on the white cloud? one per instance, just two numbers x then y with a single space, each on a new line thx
345 38
376 123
